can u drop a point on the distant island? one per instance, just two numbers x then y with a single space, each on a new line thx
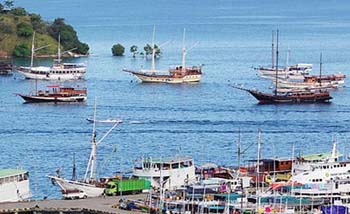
16 31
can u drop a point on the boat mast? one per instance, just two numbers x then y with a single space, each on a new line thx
91 167
273 50
287 59
91 163
276 65
239 149
59 49
32 54
184 52
74 173
320 69
258 170
153 67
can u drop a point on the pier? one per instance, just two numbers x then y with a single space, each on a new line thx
89 205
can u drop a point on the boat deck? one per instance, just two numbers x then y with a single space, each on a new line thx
100 205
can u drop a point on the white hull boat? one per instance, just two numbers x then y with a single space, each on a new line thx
89 186
149 77
90 190
14 185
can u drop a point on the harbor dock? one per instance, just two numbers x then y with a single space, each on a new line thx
89 205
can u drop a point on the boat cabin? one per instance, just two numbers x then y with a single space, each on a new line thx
13 175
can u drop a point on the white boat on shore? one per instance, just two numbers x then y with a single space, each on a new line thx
58 71
90 185
14 185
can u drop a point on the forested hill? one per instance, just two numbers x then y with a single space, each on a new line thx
17 27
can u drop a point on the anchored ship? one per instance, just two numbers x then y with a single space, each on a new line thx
58 71
58 94
90 185
177 74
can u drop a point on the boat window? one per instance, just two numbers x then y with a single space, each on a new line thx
166 166
175 165
26 175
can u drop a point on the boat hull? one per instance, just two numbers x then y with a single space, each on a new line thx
147 78
42 99
67 185
264 98
15 191
52 76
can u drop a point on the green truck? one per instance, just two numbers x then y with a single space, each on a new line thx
127 186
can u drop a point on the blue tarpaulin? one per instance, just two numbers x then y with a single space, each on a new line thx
334 209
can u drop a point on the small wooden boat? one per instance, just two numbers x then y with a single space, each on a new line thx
5 68
56 94
104 121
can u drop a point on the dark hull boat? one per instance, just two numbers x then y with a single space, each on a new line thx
291 97
5 68
53 99
57 95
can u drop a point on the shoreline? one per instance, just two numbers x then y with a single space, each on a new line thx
97 204
53 56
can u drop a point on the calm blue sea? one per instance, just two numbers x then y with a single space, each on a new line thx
200 120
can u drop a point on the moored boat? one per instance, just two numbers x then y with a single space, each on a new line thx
58 94
5 68
90 186
14 185
173 172
58 71
177 74
290 97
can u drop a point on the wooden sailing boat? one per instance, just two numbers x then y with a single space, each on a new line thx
90 186
296 71
178 74
291 96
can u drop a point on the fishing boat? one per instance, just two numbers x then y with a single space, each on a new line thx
56 94
177 74
5 68
90 185
58 71
14 185
172 172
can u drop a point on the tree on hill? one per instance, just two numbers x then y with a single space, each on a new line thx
19 11
21 50
24 29
133 50
8 4
69 38
1 8
118 50
38 24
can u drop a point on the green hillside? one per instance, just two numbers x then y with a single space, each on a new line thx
16 31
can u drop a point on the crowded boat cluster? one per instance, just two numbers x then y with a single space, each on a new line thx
317 183
295 84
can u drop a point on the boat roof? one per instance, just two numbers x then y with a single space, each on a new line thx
11 172
169 159
319 156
